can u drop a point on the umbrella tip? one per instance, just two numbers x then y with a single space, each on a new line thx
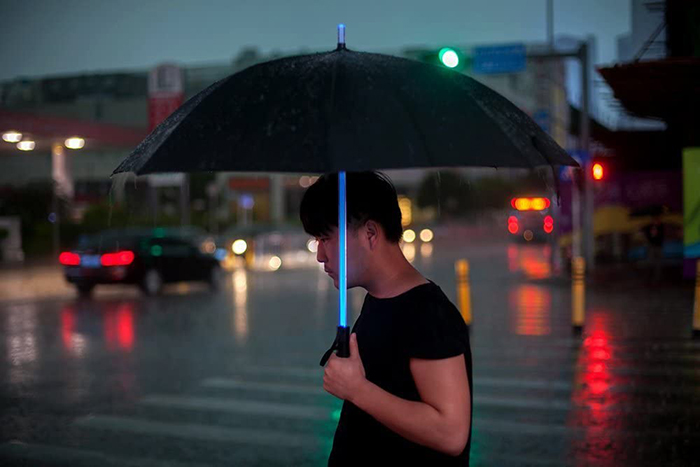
341 36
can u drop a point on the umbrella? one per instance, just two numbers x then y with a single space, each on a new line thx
651 210
344 111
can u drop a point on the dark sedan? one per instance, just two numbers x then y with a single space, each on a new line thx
148 258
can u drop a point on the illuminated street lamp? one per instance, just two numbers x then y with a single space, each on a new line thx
63 181
426 235
75 142
27 145
12 137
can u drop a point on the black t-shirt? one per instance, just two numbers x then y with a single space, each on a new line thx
420 323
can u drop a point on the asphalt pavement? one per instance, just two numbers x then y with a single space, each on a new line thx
194 378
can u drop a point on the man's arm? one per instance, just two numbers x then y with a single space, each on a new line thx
441 420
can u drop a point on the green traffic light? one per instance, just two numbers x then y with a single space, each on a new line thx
449 57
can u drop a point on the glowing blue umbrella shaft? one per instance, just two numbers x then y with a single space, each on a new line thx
342 250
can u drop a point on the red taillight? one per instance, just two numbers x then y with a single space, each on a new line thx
548 224
513 224
69 259
530 204
121 258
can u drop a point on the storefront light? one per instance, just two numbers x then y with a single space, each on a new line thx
75 143
26 145
12 137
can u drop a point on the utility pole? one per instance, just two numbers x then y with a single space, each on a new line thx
582 216
550 24
185 200
584 144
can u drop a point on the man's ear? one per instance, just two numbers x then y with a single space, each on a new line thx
372 232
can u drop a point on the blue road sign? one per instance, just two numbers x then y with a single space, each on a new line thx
499 59
541 117
581 157
565 172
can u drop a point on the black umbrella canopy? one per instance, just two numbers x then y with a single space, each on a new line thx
652 210
344 111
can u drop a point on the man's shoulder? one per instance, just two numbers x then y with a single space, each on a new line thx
432 302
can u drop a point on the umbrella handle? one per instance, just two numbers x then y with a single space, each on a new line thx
343 339
341 345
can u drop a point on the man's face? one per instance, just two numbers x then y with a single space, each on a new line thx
327 254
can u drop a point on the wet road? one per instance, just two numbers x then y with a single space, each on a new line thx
232 378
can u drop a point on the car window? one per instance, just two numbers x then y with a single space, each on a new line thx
174 247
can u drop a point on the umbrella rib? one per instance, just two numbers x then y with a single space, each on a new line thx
331 110
496 119
164 129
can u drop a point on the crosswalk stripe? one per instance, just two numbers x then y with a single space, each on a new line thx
225 383
303 372
524 383
306 374
193 431
243 406
317 389
615 344
523 403
209 433
632 356
480 400
548 429
42 454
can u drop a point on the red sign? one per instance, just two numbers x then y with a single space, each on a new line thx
160 108
248 184
165 93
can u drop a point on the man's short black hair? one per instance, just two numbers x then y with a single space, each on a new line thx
370 196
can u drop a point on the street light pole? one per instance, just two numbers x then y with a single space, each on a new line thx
550 24
55 229
582 225
60 188
584 144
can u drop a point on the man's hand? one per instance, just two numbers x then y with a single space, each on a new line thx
345 377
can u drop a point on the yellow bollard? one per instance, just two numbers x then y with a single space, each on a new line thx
696 312
578 293
463 290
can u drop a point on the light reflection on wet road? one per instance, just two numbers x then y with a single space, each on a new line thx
194 378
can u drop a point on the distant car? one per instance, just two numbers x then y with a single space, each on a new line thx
147 258
238 244
530 219
267 247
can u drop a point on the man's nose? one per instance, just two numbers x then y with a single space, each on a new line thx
321 254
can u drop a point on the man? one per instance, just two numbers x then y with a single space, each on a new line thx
655 235
407 385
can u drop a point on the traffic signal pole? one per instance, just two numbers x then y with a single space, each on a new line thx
582 193
581 213
584 143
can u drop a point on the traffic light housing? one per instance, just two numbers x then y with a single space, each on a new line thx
448 57
598 170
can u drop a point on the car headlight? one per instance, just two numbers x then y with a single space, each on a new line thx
239 247
426 235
